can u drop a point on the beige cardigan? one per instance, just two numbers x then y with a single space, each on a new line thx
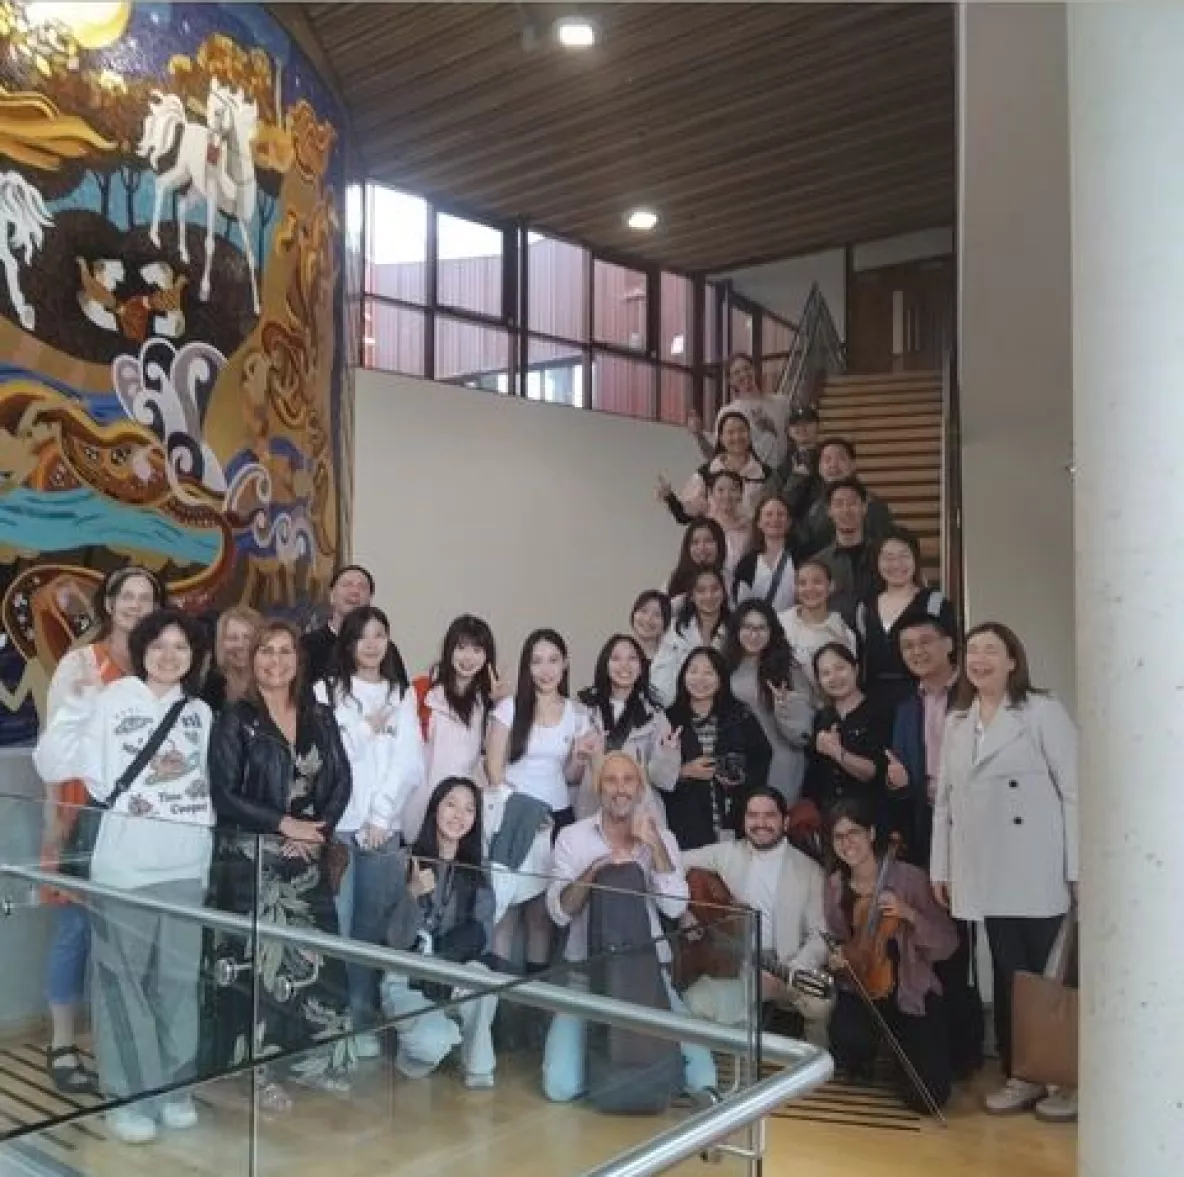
798 921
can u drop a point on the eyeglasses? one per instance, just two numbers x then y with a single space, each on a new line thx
915 644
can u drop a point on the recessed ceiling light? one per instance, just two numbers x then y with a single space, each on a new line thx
575 32
642 219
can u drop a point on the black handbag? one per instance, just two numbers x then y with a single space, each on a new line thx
80 845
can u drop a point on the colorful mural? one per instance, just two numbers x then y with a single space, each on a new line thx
171 377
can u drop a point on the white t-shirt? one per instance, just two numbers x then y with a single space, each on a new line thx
539 772
761 887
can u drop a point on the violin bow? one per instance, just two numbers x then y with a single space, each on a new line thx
894 1042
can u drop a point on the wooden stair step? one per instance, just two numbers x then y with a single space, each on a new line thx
855 379
871 418
873 404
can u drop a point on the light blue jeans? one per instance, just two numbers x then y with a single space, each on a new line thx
565 1055
426 1040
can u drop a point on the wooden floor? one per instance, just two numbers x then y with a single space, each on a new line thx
388 1125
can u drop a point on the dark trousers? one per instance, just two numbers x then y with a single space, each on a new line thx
855 1042
1019 944
963 1002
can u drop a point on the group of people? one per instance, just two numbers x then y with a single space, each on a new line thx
789 712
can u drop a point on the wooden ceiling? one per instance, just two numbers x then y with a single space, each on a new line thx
758 131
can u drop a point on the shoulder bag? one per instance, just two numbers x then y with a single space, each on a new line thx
80 846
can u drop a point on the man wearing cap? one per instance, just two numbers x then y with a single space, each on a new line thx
795 481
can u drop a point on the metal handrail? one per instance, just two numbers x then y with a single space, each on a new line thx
701 1131
806 1066
817 346
555 998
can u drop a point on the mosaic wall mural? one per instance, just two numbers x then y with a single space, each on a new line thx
171 377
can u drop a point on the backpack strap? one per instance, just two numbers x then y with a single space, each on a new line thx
422 685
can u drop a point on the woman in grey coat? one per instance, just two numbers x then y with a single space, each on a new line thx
1005 838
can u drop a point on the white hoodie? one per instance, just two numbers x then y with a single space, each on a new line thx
158 831
387 765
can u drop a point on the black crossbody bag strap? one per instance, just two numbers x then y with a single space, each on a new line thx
144 756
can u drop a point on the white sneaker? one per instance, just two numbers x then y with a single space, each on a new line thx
179 1114
130 1126
367 1045
482 1082
1016 1095
1059 1106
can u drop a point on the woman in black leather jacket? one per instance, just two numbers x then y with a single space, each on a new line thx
280 781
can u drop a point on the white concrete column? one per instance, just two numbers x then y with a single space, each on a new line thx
1126 75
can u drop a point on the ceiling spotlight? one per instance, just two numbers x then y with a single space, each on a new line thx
642 219
575 32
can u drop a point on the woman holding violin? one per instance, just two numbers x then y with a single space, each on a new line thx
887 930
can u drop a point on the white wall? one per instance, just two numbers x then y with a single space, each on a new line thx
782 286
527 514
1015 330
908 247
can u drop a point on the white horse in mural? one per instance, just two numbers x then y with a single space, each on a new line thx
23 221
214 160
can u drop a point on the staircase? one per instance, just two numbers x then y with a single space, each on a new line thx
895 422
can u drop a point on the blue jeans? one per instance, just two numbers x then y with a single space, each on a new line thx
565 1055
69 953
364 900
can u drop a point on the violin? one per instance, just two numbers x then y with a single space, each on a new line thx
866 953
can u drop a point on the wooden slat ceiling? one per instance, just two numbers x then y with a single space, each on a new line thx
757 131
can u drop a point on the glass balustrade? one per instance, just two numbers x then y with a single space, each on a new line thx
225 1018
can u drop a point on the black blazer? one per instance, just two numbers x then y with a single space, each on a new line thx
690 804
251 768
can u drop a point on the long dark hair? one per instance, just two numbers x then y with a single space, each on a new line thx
345 655
471 631
470 851
756 542
775 663
900 536
841 651
687 612
858 813
599 696
113 582
1019 682
526 697
724 700
686 569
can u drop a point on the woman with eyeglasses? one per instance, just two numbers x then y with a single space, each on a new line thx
864 891
901 599
766 678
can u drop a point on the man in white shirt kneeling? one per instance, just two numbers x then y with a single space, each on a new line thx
784 887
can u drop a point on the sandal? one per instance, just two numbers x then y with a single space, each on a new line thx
273 1098
70 1078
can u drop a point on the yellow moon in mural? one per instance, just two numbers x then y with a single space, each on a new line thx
92 25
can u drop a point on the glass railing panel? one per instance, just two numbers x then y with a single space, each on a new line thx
114 936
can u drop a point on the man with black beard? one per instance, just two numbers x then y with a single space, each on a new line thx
784 888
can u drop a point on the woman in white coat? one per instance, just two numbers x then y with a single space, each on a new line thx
375 709
1005 837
